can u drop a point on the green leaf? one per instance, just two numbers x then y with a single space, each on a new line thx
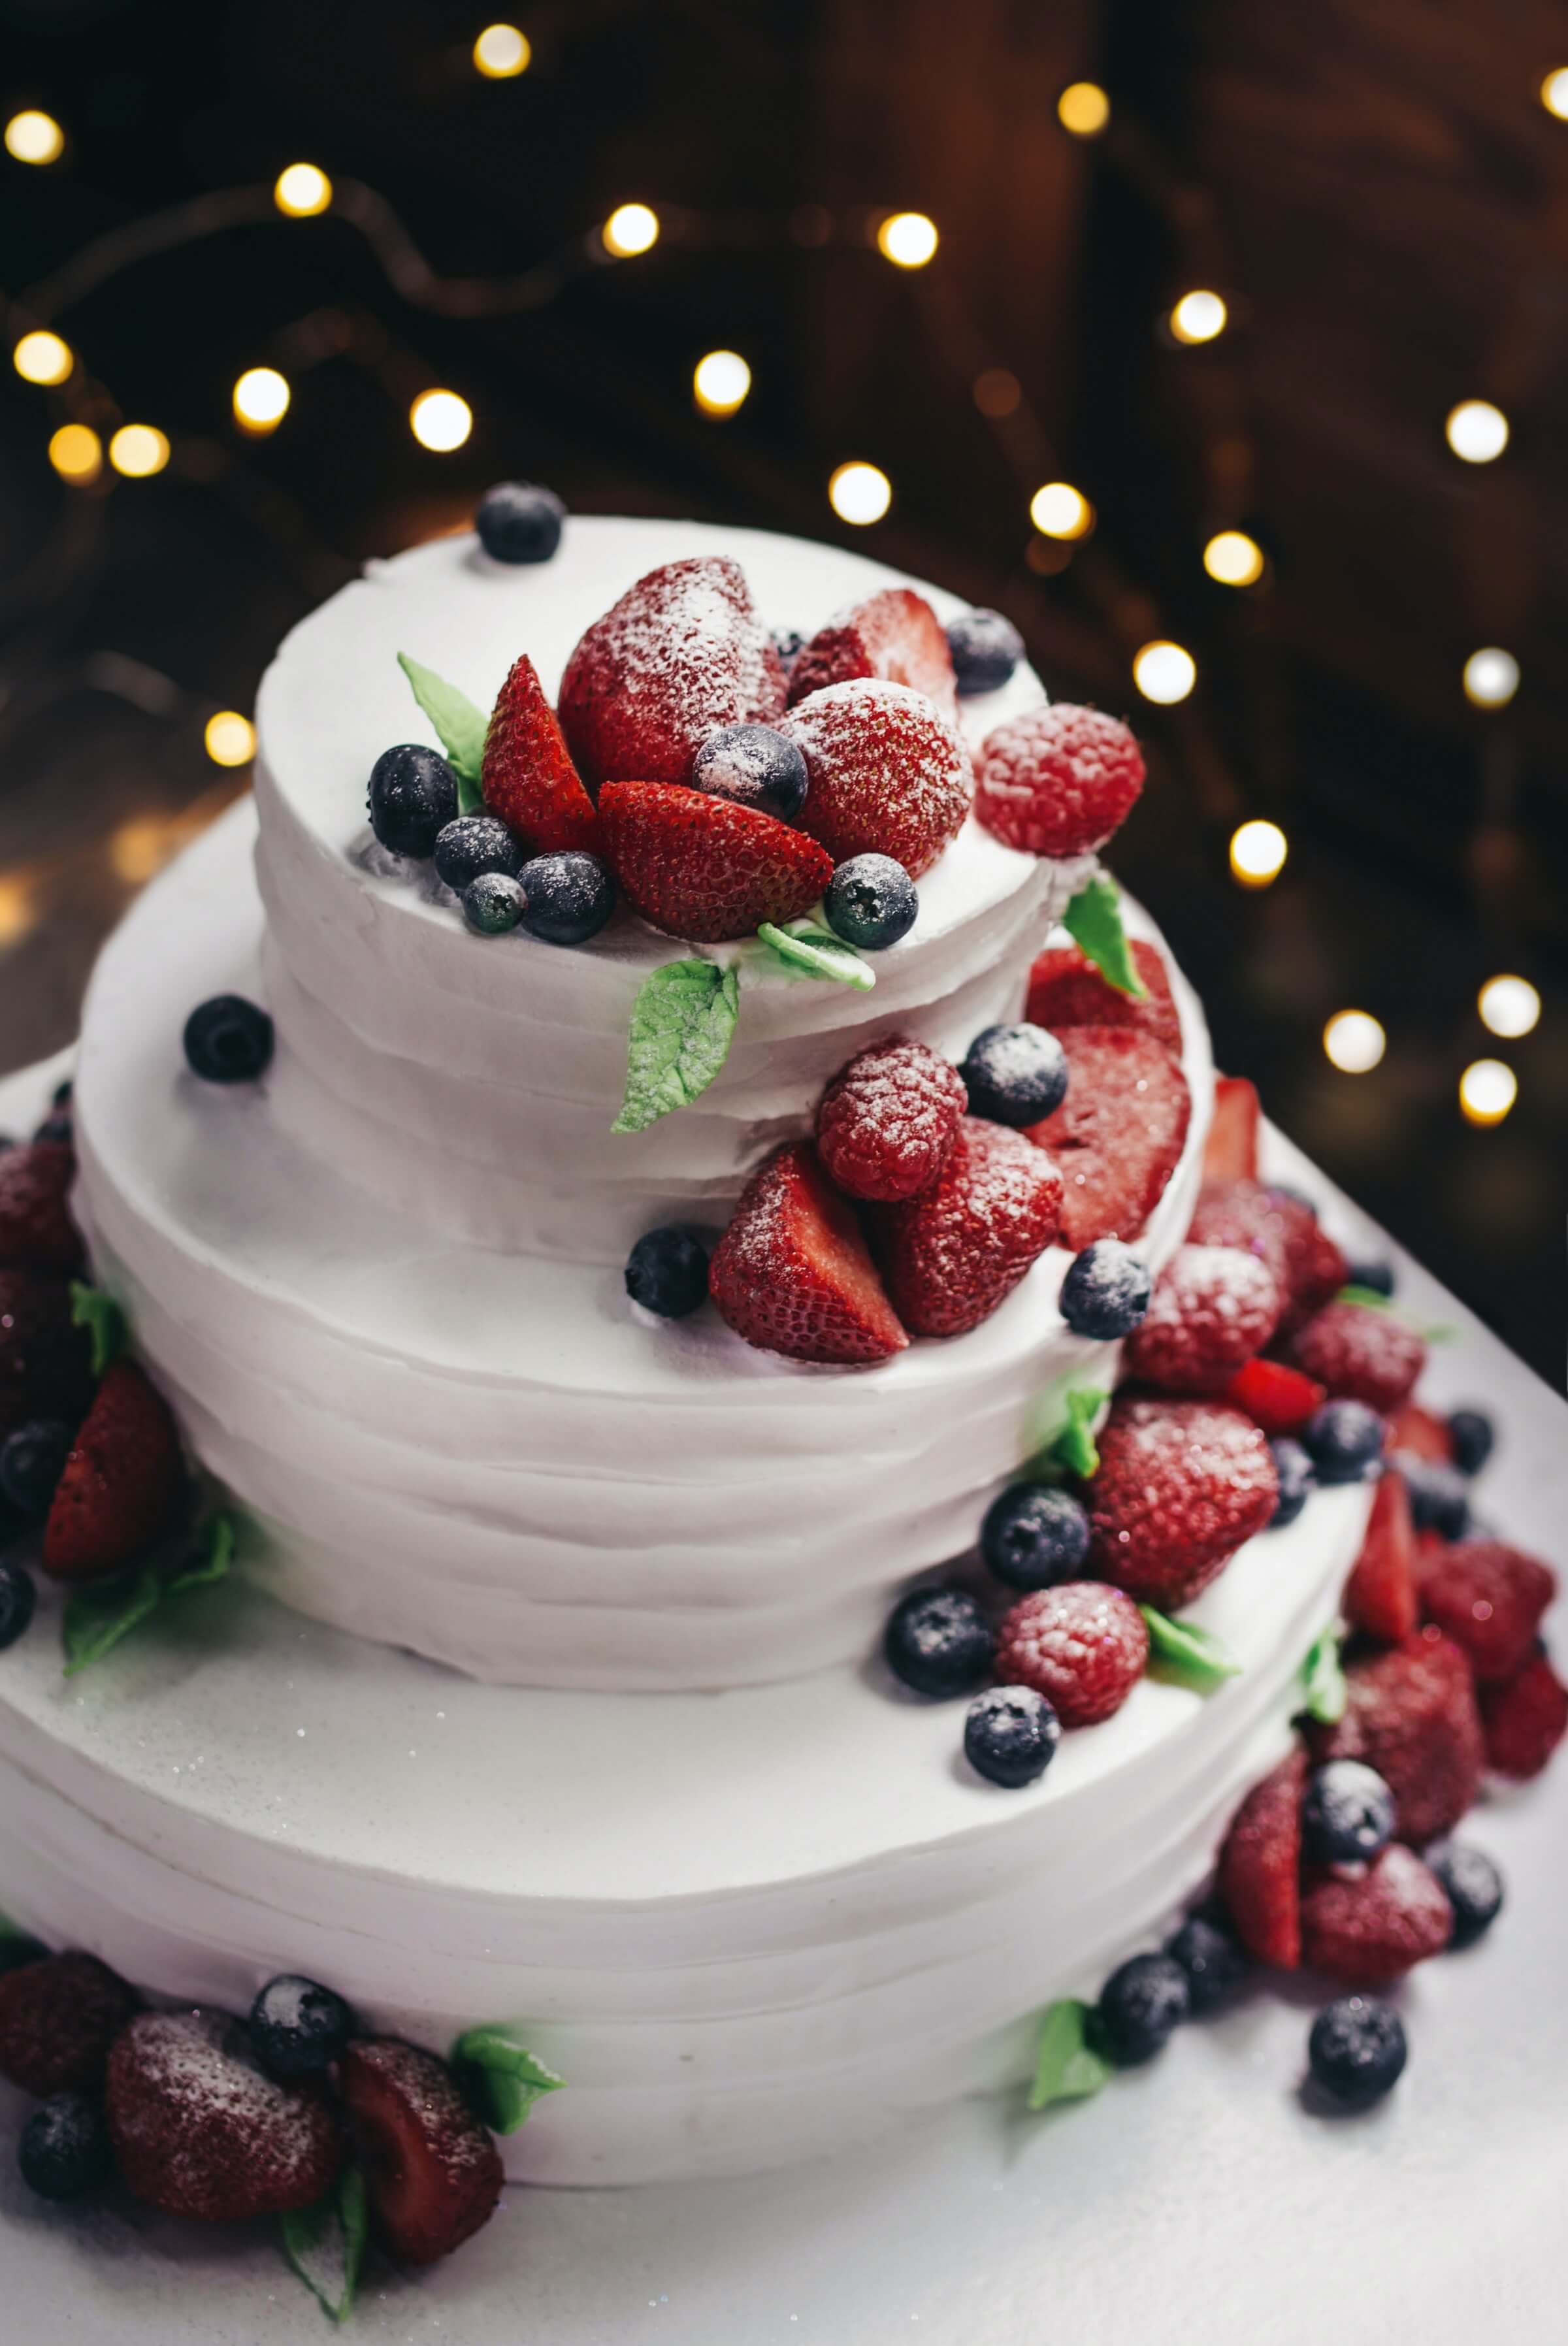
1094 921
818 952
512 2077
1067 2067
1440 1332
459 726
1325 1693
1193 1653
1372 1297
97 1618
102 1318
326 2244
682 1023
1074 1448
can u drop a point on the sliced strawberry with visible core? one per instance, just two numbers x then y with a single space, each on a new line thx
1380 1594
1489 1598
889 775
1230 1151
1368 1928
1525 1718
894 635
1117 1136
121 1479
58 2018
432 2172
1066 989
1411 1713
529 778
792 1273
1260 1866
198 2131
952 1255
701 867
36 1232
1279 1399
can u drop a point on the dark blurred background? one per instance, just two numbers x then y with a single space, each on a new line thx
1376 189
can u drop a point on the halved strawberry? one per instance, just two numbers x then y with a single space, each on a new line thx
889 775
36 1232
1279 1399
432 2172
1260 1866
1489 1598
1411 1715
46 1360
1230 1152
1066 989
792 1273
529 778
58 2018
1380 1594
894 635
1117 1135
1416 1430
1525 1718
199 2131
701 867
1372 1927
956 1252
120 1481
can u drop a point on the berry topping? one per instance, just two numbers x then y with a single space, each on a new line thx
1293 1470
1105 1291
1419 1434
1375 1926
1472 1886
1066 989
888 1121
666 1272
519 522
894 636
1016 1075
1213 1959
955 1252
473 845
754 766
567 896
32 1461
1380 1594
58 2018
413 798
198 2131
298 2028
1010 1735
985 648
36 1232
1035 1535
1083 1645
1471 1434
872 902
1525 1718
1410 1714
432 2171
1439 1494
938 1642
1345 1439
791 1274
59 1129
1212 1309
1230 1150
1282 1231
888 774
17 1599
683 651
1360 1353
1279 1399
1181 1484
46 1360
1058 780
120 1481
1140 2006
228 1040
703 867
527 776
1489 1598
493 905
1348 1815
64 2151
1260 1866
1356 2051
1118 1133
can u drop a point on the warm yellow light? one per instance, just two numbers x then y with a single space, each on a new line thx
502 51
1487 1090
261 399
32 136
1257 853
860 492
138 450
16 910
1476 431
76 453
1354 1042
40 357
1509 1006
1197 317
719 382
231 738
1059 510
1164 672
630 229
303 192
1234 558
440 420
1490 678
906 238
1554 93
997 392
1084 109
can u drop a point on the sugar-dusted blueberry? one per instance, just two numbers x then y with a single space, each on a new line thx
753 766
986 647
872 902
666 1271
1140 2006
58 1129
473 844
17 1599
1348 1815
1377 1274
517 521
1295 1475
1010 1735
64 2150
493 904
1356 2049
1035 1535
1106 1291
1471 1433
1473 1886
228 1040
1344 1439
298 2028
1016 1075
938 1642
31 1460
1439 1494
567 896
414 797
1213 1958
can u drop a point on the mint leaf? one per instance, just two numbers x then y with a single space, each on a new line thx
512 2077
1193 1653
1094 921
818 952
1440 1332
1372 1297
1074 1448
104 1320
1325 1693
460 727
1067 2067
326 2244
98 1616
682 1023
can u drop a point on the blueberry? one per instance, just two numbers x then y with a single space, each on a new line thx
228 1040
519 522
8 1140
938 1642
1379 1275
62 1095
1140 2006
414 797
666 1272
58 1129
475 843
1356 2049
872 902
752 766
788 643
567 897
1439 1495
1348 1815
31 1460
493 903
1471 1432
65 2147
1295 1475
1473 1886
986 647
298 2028
1035 1535
1016 1075
1213 1959
1010 1735
17 1599
1344 1438
1106 1290
17 1948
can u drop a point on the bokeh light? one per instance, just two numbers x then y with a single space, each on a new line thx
906 238
138 450
302 192
1198 317
1490 677
1554 92
42 357
1476 431
231 738
1164 672
720 381
500 51
1487 1090
860 492
33 137
440 420
998 391
1059 510
1084 109
1354 1042
1257 853
17 910
77 453
1234 558
1509 1006
630 229
261 399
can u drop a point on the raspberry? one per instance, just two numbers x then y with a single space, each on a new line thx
198 2131
1411 1713
791 1273
890 776
888 1120
1489 1598
1118 1134
120 1482
1230 1150
1308 1267
1083 1645
1058 780
1259 1878
1525 1718
895 635
36 1232
1181 1485
703 867
1212 1309
432 2172
952 1255
1360 1353
1372 1927
529 778
1380 1594
1066 989
59 2017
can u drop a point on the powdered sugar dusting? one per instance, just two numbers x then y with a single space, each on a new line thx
198 2128
889 775
1212 1309
888 1120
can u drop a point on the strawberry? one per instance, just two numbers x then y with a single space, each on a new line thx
1279 1399
1380 1594
888 1120
888 772
1259 1877
1525 1718
953 1254
1180 1486
1360 1353
682 653
791 1273
36 1232
1211 1309
1489 1598
120 1481
528 777
704 868
1374 1926
1081 1644
1308 1267
45 1361
1066 989
1058 780
1118 1133
1411 1714
1416 1430
58 2016
1230 1151
199 2131
895 635
432 2172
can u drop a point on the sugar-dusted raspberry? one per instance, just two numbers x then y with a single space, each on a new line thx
1308 1269
1411 1713
1360 1353
1212 1309
1370 1927
1083 1645
1058 780
1525 1718
888 1120
1181 1485
890 776
1489 1598
58 2016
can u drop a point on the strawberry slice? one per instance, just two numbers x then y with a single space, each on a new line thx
1380 1594
1066 989
1117 1135
36 1232
1230 1152
1260 1866
953 1253
894 635
432 2172
1416 1430
792 1273
121 1479
528 777
704 868
1372 1927
889 775
198 2131
1526 1718
59 2017
1279 1399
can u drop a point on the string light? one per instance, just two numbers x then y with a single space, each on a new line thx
261 399
17 913
1487 1090
1554 93
1257 853
138 450
231 738
1476 431
1354 1042
33 136
500 51
1490 678
720 381
1059 510
1084 109
42 357
302 192
860 492
77 453
908 239
1509 1006
631 229
1198 317
997 392
1164 672
1234 558
440 420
